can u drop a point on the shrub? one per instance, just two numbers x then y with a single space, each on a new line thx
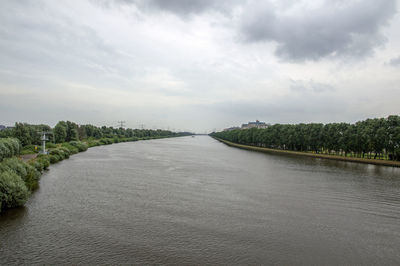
60 153
13 192
29 174
93 143
32 177
50 145
30 148
82 146
66 151
44 160
106 141
72 149
54 158
4 151
9 147
13 165
38 166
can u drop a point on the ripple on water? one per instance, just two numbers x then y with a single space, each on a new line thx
197 201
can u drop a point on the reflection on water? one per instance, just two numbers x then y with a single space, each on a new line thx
197 201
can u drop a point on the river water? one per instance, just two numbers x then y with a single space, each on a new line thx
197 201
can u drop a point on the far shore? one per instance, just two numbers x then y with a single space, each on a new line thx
315 155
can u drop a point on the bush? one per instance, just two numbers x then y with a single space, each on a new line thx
50 145
38 166
44 160
13 192
29 174
93 143
4 151
32 177
72 149
60 153
54 159
82 146
106 141
29 149
66 151
13 165
9 147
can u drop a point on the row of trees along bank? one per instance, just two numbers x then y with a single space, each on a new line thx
18 179
377 138
66 131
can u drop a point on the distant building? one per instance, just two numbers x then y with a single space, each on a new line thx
2 127
256 124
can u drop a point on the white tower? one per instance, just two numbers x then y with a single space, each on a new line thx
44 138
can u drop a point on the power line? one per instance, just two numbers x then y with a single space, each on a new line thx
122 124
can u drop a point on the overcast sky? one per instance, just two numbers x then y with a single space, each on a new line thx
198 65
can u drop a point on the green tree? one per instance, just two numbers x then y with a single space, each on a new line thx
21 132
60 132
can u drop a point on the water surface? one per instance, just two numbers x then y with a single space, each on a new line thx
197 201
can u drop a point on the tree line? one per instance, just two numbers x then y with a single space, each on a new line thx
18 179
377 138
66 131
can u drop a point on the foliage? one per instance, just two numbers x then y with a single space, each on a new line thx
25 171
29 134
9 147
60 132
30 149
377 138
13 192
81 146
59 153
44 161
18 179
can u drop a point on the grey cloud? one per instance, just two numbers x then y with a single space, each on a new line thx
50 46
290 109
336 29
183 8
395 61
310 86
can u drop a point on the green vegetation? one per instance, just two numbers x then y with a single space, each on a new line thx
18 178
371 138
13 192
30 135
9 147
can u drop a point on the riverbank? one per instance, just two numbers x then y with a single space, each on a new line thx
314 155
20 174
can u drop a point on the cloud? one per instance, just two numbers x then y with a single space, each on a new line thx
179 64
395 61
331 29
183 8
310 86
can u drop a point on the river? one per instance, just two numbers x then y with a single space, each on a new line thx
197 201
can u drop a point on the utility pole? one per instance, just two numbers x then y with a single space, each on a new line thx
122 124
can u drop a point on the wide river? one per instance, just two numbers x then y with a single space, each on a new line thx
197 201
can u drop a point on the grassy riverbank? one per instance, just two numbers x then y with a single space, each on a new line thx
315 155
18 179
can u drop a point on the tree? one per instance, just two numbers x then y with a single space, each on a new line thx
72 131
60 132
21 132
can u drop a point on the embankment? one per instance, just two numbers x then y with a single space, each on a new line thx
314 155
19 176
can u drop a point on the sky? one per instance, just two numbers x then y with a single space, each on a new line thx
198 65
